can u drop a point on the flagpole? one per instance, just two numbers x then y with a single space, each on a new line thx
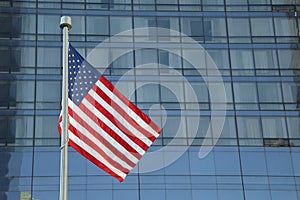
65 25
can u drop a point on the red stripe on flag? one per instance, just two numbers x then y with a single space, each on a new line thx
94 160
117 123
126 116
104 141
93 146
109 131
129 104
59 127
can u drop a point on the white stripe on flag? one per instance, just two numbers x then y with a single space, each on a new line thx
99 130
98 143
120 118
95 154
112 126
130 112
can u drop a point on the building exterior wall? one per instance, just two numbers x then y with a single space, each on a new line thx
254 44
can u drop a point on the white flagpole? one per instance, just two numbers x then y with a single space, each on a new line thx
65 25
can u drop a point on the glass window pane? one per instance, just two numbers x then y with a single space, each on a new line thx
168 23
22 91
208 193
200 91
78 25
293 124
27 56
97 25
46 127
47 24
178 194
49 91
291 92
16 127
149 194
265 59
239 29
289 59
202 128
147 92
279 162
296 163
230 194
203 166
24 23
249 127
17 24
269 92
179 167
245 92
140 22
262 27
227 161
229 129
274 127
172 92
257 195
192 26
130 194
123 61
171 60
283 194
228 92
45 57
120 24
16 162
145 56
285 26
6 21
41 165
220 57
241 59
218 26
253 155
175 126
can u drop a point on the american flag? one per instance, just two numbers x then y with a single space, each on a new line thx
104 126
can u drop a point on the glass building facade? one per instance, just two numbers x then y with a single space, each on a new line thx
255 45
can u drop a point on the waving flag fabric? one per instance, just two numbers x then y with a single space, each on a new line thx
104 126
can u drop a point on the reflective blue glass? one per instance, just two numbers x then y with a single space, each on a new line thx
16 162
279 162
230 194
179 167
257 195
281 194
209 194
178 194
296 162
45 157
150 194
203 166
96 194
227 161
130 194
78 163
253 161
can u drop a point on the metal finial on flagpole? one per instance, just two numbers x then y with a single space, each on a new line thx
65 25
65 21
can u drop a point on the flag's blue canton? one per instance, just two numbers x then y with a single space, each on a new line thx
82 76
